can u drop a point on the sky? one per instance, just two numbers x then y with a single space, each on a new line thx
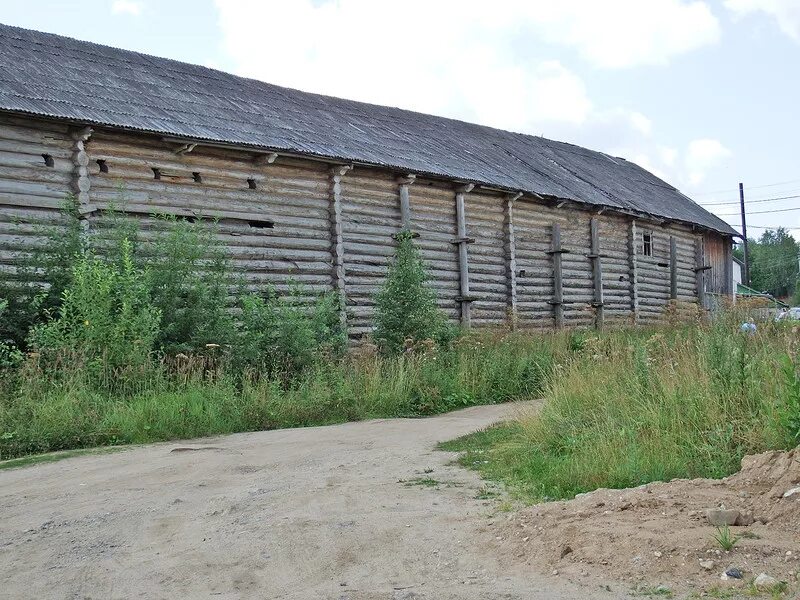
703 93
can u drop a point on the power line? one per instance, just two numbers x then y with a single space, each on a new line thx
752 201
788 228
761 212
749 187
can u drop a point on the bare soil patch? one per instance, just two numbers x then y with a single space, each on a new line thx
659 534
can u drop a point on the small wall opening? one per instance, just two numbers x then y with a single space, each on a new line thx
647 243
197 177
251 183
261 224
48 160
103 165
156 173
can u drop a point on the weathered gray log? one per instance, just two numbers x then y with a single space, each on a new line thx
597 272
463 254
511 259
337 240
633 250
558 284
80 160
673 269
405 202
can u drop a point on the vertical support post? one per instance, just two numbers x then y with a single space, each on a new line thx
463 255
337 239
728 259
558 282
673 268
405 201
511 260
746 274
597 272
633 250
80 173
699 268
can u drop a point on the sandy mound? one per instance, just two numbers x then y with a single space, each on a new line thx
659 534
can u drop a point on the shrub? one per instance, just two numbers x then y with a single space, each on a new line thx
10 355
405 306
278 335
42 274
189 278
105 320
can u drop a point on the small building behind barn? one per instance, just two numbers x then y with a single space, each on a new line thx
312 189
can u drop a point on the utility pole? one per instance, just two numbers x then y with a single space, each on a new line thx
746 274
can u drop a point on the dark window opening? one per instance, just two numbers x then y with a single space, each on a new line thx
261 224
647 243
103 165
251 183
190 219
197 178
48 160
156 173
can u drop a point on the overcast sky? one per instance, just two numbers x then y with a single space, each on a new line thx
703 93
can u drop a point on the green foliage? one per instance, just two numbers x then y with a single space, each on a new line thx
42 275
405 306
105 320
725 539
790 408
189 278
10 355
278 335
628 407
773 263
46 411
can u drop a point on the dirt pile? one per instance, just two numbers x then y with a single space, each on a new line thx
659 534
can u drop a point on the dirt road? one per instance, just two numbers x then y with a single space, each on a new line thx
302 514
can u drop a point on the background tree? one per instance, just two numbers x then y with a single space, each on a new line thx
773 262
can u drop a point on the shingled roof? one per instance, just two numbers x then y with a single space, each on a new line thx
59 77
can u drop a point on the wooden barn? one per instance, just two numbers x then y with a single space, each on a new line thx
514 228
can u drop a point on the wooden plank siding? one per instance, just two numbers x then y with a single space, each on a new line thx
276 222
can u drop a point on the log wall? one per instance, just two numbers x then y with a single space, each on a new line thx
31 192
328 227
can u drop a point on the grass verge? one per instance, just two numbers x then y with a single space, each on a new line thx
40 414
627 408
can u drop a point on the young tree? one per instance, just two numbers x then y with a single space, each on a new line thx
405 306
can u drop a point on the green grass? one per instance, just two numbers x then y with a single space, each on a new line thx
37 459
421 481
43 412
626 408
725 538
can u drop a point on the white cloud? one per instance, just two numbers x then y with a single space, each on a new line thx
702 155
457 61
127 7
623 33
785 12
475 61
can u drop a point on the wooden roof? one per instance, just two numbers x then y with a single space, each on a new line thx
59 77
